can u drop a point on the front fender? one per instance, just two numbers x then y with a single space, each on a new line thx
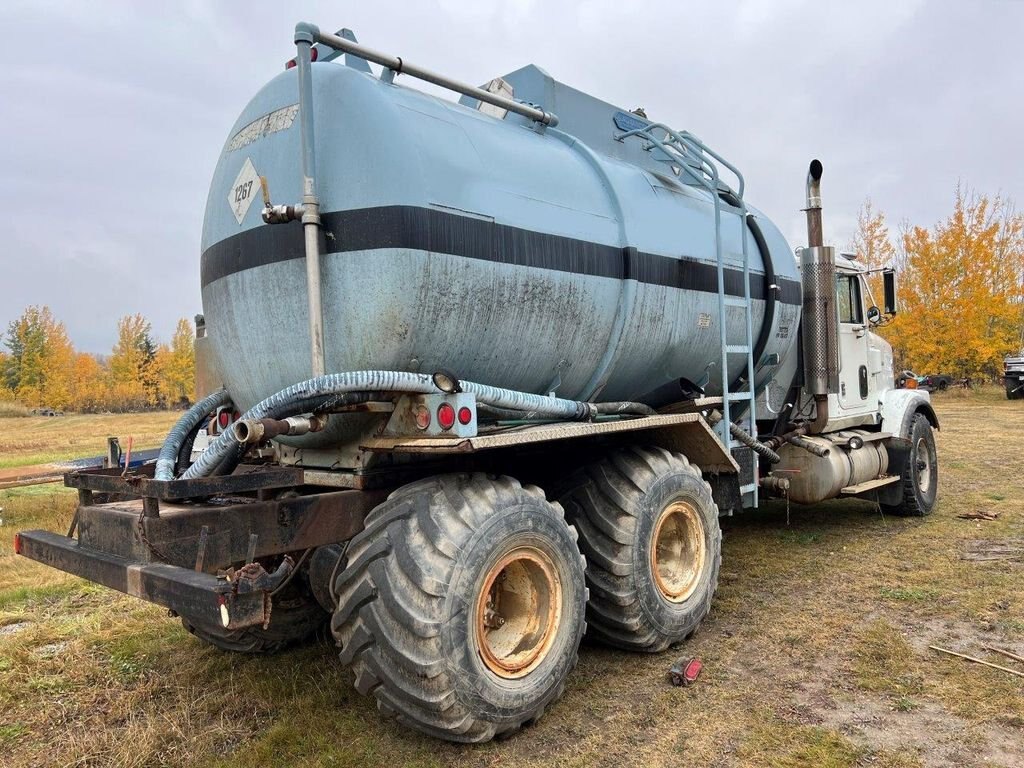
900 405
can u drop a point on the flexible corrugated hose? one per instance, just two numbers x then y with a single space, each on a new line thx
299 397
191 419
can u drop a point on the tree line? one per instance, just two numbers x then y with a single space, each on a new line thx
960 285
39 366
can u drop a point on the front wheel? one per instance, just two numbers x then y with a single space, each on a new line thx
920 478
461 606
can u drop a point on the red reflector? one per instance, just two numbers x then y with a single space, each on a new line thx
289 64
446 415
312 54
465 415
17 543
422 417
223 418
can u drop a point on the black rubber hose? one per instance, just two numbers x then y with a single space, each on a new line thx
751 442
185 454
770 291
624 407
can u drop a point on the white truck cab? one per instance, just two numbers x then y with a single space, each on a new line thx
865 359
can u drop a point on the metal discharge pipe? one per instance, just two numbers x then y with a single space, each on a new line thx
310 202
248 432
401 67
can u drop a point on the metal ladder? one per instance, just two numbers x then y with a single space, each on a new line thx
685 153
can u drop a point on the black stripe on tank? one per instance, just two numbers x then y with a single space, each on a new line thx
428 229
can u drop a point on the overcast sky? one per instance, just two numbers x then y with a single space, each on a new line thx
113 114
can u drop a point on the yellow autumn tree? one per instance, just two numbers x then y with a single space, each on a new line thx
873 246
177 365
960 288
132 370
40 359
89 384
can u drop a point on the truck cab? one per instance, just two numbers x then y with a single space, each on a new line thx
865 358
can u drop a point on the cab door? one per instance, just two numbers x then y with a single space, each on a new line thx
855 382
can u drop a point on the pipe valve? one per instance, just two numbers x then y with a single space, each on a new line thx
278 214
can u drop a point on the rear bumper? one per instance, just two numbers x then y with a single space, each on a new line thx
202 597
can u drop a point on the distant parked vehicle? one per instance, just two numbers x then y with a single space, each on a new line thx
1013 376
939 381
46 412
907 379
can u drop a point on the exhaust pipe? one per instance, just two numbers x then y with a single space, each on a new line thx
815 238
819 324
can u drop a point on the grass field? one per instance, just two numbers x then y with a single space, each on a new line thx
41 439
816 649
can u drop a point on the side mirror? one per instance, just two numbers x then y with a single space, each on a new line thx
889 290
874 315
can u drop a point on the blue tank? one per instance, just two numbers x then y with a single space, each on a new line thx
459 237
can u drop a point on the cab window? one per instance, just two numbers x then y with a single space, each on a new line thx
848 295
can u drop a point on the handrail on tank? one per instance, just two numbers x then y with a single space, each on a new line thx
689 142
402 67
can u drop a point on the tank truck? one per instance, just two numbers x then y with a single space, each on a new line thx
478 376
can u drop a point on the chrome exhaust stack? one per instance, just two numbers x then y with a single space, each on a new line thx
819 322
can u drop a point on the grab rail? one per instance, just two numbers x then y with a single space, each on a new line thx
401 67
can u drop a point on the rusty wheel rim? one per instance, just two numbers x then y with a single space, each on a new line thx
518 612
924 465
678 551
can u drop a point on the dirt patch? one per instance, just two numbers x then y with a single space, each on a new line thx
10 629
928 731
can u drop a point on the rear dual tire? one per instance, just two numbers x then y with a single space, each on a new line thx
461 606
649 531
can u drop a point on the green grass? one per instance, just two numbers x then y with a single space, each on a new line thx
905 593
782 745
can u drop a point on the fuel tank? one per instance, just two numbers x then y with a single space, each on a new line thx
536 258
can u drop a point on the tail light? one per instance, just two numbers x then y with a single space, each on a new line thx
223 419
17 543
465 415
446 415
422 418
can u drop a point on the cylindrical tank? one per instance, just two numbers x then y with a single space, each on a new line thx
816 478
535 259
